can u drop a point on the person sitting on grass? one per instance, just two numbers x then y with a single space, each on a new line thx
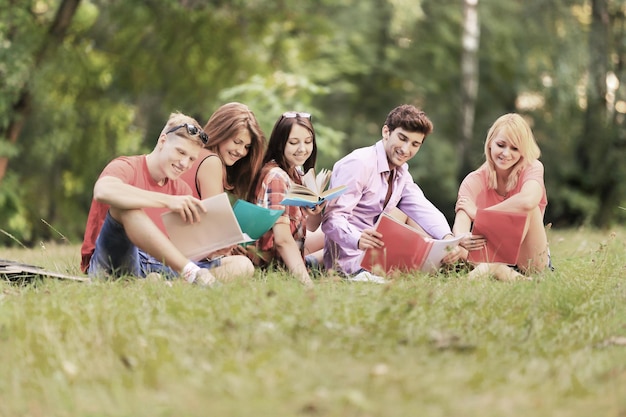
229 161
291 151
232 157
510 179
125 234
378 180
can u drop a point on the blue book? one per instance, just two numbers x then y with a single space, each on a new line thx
255 220
311 193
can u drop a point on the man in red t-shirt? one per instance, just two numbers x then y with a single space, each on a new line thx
124 233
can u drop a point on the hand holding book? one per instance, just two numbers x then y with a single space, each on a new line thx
405 249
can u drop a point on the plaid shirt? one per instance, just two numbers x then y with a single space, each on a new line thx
269 194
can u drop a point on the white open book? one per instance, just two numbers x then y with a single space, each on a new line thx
217 229
311 192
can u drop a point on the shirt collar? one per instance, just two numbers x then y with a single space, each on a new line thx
382 162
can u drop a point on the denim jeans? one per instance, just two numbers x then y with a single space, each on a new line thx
115 255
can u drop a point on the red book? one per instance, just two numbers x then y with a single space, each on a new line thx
405 249
504 232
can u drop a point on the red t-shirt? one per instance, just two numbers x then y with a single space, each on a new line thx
475 186
132 170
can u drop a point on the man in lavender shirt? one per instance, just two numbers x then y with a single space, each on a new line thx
349 220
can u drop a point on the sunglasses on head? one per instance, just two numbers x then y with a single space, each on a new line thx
292 114
192 130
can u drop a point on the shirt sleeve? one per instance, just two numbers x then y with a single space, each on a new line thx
276 187
336 224
533 172
415 205
122 168
471 186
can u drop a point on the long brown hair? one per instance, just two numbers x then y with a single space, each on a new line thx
224 124
276 146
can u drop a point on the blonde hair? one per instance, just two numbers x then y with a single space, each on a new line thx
518 133
178 119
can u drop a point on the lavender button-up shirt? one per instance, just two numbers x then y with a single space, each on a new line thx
365 172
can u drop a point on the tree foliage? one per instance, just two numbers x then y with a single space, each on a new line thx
123 65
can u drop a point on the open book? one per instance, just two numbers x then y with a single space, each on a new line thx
405 249
311 192
504 232
255 220
18 272
217 229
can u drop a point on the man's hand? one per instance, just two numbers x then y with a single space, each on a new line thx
189 207
370 238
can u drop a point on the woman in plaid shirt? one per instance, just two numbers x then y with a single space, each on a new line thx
291 151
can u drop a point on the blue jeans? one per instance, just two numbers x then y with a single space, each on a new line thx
115 255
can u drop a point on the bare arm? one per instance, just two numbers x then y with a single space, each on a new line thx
525 201
114 192
288 249
314 217
210 177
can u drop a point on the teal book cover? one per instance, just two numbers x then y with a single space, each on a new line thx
255 220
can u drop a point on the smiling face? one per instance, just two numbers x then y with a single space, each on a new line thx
299 146
503 153
235 148
401 145
175 155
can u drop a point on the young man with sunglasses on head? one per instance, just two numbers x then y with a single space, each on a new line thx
378 180
125 234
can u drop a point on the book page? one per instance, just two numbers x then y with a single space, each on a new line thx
438 251
217 229
316 183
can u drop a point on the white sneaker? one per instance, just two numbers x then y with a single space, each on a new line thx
366 276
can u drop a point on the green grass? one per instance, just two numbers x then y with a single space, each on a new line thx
420 346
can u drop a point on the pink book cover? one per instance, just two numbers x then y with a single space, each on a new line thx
504 232
405 249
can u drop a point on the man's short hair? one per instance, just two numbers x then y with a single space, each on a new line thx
409 118
180 119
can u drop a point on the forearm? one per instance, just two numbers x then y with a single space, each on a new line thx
462 223
313 222
525 201
115 193
289 252
339 230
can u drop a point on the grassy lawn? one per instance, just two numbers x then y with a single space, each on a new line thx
419 346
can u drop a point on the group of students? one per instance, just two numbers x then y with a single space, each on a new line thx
125 235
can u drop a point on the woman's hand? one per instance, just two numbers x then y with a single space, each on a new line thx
467 205
473 242
315 210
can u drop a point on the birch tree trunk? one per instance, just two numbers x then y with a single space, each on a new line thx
469 81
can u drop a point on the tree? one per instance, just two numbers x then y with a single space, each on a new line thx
469 80
21 107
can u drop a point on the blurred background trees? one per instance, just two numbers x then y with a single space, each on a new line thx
82 81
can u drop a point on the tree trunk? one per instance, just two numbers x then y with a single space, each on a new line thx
469 81
595 153
20 110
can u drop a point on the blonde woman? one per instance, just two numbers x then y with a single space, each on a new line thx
510 179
